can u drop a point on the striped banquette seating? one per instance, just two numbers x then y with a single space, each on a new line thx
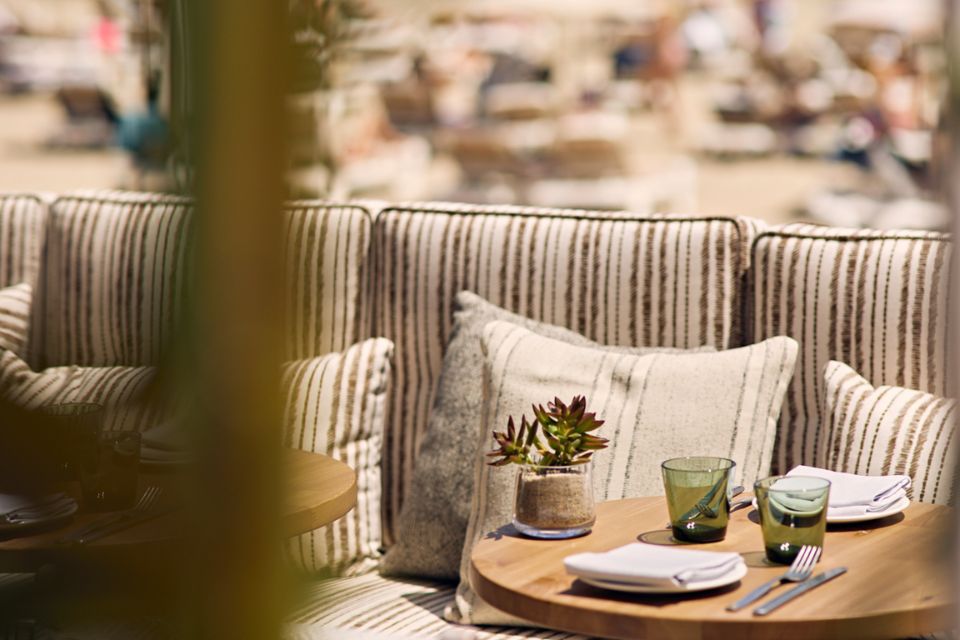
111 277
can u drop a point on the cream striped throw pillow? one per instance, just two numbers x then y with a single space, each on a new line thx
884 430
117 388
335 405
655 407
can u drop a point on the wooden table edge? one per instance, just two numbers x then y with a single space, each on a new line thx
321 515
898 623
515 603
337 497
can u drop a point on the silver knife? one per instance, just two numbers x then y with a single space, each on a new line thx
120 525
799 590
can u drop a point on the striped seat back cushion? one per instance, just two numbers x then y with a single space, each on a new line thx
618 279
22 221
876 300
114 278
326 253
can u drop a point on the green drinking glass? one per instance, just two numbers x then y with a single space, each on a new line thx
697 491
793 513
73 429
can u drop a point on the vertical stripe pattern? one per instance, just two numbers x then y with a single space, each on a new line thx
326 249
22 222
114 276
22 225
874 299
334 405
654 407
113 279
618 279
890 430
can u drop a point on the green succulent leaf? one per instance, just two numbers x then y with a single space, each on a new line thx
566 436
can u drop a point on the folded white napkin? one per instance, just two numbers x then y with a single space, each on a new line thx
853 495
148 454
166 436
653 565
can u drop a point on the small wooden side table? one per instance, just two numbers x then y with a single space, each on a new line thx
320 490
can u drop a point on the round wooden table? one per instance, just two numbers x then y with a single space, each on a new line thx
320 490
898 582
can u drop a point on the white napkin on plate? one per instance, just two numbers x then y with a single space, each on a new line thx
164 442
854 495
653 565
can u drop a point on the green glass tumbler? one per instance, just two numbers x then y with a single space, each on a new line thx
793 513
697 491
73 429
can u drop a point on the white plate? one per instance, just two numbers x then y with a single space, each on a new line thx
9 529
894 509
723 581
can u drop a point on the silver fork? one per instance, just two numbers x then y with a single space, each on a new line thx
800 570
144 504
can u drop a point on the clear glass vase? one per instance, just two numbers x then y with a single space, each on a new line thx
554 502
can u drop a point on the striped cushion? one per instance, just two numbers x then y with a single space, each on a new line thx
22 220
335 405
615 278
326 250
874 299
884 430
119 389
14 317
654 407
114 278
396 608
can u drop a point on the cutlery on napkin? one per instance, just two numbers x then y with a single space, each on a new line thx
653 565
853 495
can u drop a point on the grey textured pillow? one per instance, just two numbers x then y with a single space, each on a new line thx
655 407
433 522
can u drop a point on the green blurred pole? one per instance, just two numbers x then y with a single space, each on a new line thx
238 78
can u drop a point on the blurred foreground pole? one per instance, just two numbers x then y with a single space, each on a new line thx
238 82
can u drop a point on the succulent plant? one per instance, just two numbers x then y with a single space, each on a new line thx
566 437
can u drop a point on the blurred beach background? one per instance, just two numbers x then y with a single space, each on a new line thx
820 110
